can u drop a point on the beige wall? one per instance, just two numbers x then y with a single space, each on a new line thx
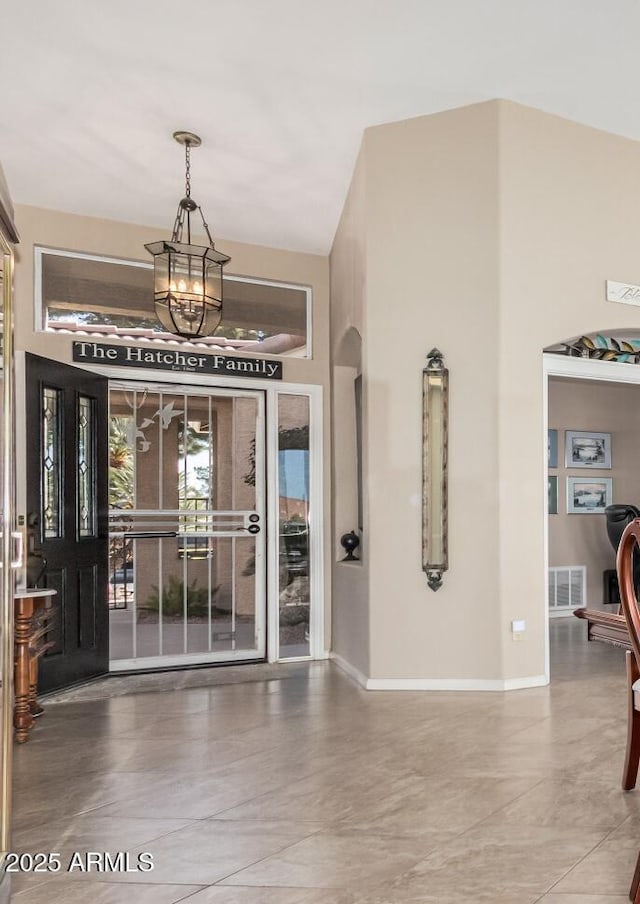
567 201
488 231
351 639
432 280
77 233
603 408
418 240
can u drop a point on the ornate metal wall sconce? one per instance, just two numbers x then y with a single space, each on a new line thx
435 404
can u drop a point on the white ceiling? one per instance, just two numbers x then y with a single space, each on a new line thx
280 91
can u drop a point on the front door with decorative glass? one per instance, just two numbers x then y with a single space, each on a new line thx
187 539
67 446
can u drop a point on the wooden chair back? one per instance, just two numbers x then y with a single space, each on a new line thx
624 563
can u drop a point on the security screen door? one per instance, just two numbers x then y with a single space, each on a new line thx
186 541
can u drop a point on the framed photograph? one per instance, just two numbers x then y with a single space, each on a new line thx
553 495
552 449
585 449
588 496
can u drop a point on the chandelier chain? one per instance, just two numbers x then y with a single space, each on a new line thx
187 155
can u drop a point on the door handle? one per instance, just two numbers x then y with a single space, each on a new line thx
148 534
18 562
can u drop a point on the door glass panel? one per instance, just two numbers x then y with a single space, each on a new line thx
122 429
86 468
51 463
121 461
293 490
190 605
111 297
184 490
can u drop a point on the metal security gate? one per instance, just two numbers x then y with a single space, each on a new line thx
186 536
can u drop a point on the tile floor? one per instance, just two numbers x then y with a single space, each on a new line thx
291 785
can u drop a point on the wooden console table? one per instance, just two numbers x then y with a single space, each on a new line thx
33 611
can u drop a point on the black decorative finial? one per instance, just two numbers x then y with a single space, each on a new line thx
350 543
434 578
435 361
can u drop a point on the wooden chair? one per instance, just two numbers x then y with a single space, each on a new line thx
631 610
634 893
608 627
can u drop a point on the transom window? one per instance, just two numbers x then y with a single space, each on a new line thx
86 294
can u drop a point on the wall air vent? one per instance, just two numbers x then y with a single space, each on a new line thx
567 589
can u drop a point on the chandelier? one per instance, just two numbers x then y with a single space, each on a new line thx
187 278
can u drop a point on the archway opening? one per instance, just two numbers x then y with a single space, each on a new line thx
593 421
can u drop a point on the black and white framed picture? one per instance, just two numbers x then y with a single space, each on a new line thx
585 449
553 494
588 496
552 449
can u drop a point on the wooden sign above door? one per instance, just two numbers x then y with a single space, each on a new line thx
176 360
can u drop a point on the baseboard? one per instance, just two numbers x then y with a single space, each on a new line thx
517 684
437 684
455 684
350 670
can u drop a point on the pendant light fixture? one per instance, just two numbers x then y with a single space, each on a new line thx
187 278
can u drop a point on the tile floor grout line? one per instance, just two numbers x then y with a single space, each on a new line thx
577 863
255 862
192 894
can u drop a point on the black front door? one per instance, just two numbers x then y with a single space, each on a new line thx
67 487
